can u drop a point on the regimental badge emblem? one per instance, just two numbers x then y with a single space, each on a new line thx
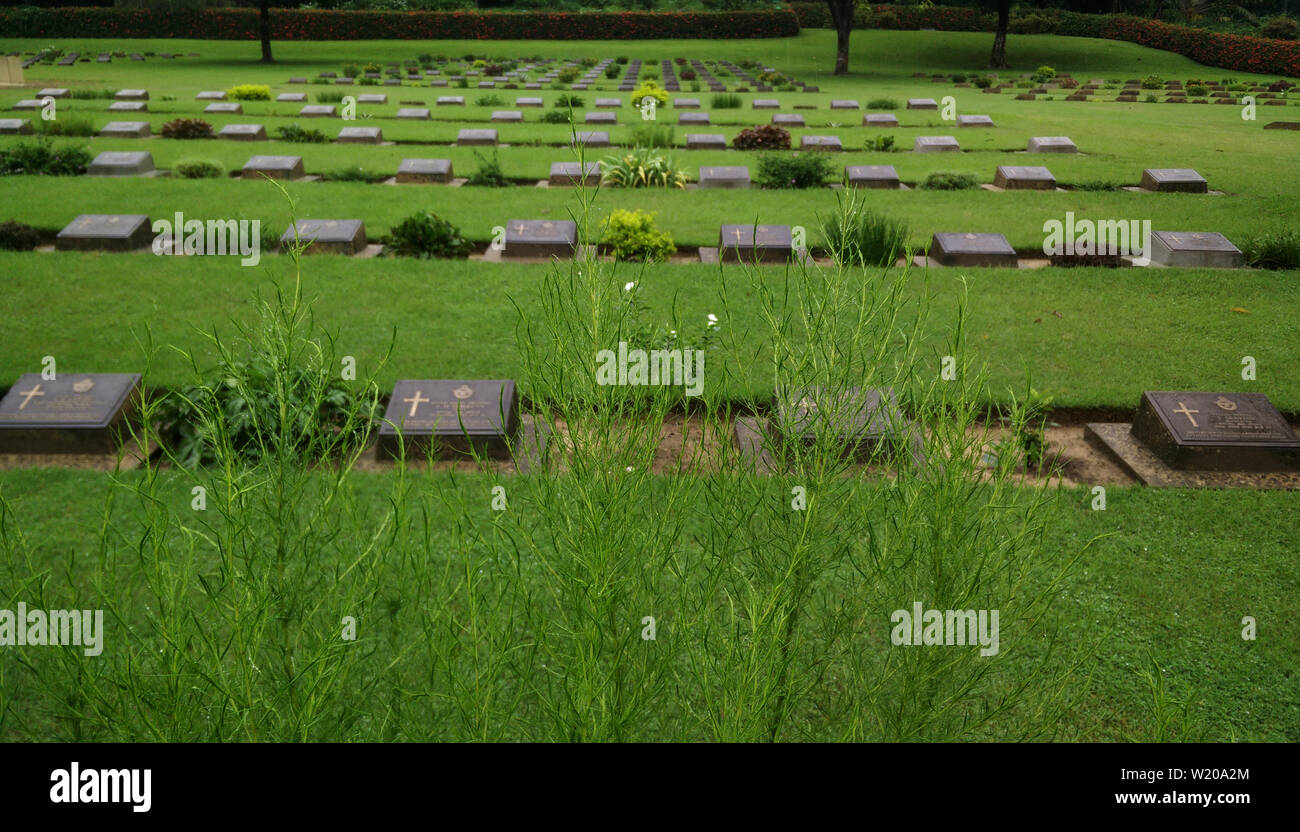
83 386
1224 403
463 392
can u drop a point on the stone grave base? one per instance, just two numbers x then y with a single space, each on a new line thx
708 255
753 443
921 261
493 255
529 452
995 188
131 458
1115 439
454 183
1135 189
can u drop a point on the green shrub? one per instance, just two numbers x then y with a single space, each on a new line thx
187 128
946 181
1198 91
612 71
569 101
329 96
249 92
958 77
763 137
725 102
881 144
350 71
426 235
18 236
1275 250
652 90
805 170
42 158
687 75
858 236
651 134
632 235
199 169
67 126
643 167
1044 74
1152 82
300 135
1069 84
882 104
352 173
1280 28
489 173
373 67
568 76
556 117
489 100
82 94
983 82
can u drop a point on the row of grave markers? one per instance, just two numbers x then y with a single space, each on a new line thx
1175 438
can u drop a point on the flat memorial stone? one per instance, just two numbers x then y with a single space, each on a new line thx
318 111
600 118
451 101
1051 144
211 95
528 101
453 417
273 167
26 104
243 132
424 171
77 413
863 420
693 118
820 143
766 104
609 102
1024 178
974 121
567 173
1173 180
788 119
228 107
922 104
1216 432
328 236
507 116
948 249
132 95
880 120
935 144
418 113
121 163
686 103
872 176
53 92
476 136
1197 249
372 98
541 238
125 130
128 107
591 138
291 97
844 104
105 232
361 135
706 141
724 176
750 243
17 127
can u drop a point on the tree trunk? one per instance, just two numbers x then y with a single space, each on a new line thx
998 60
264 31
842 16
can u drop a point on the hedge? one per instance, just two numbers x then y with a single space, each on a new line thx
297 24
1233 52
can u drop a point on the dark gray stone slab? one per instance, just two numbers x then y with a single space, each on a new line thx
451 101
76 413
724 176
211 95
450 417
273 167
361 135
53 92
950 249
936 144
1024 178
706 141
820 143
974 121
1216 431
750 243
328 236
417 113
291 97
121 163
476 136
788 119
600 118
862 421
609 103
319 111
845 104
880 120
128 107
26 104
693 118
766 104
243 132
226 107
591 138
569 173
507 116
1051 144
372 98
872 176
529 101
16 127
125 130
132 95
424 171
1173 180
686 103
922 104
1198 249
105 232
541 238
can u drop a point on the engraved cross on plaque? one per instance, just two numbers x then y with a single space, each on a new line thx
1182 408
416 401
35 391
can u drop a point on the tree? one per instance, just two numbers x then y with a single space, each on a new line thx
264 30
842 17
998 60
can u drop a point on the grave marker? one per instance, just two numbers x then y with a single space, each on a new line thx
328 236
453 416
77 413
424 171
541 238
105 232
992 250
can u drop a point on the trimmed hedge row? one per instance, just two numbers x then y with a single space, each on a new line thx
295 24
1234 52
